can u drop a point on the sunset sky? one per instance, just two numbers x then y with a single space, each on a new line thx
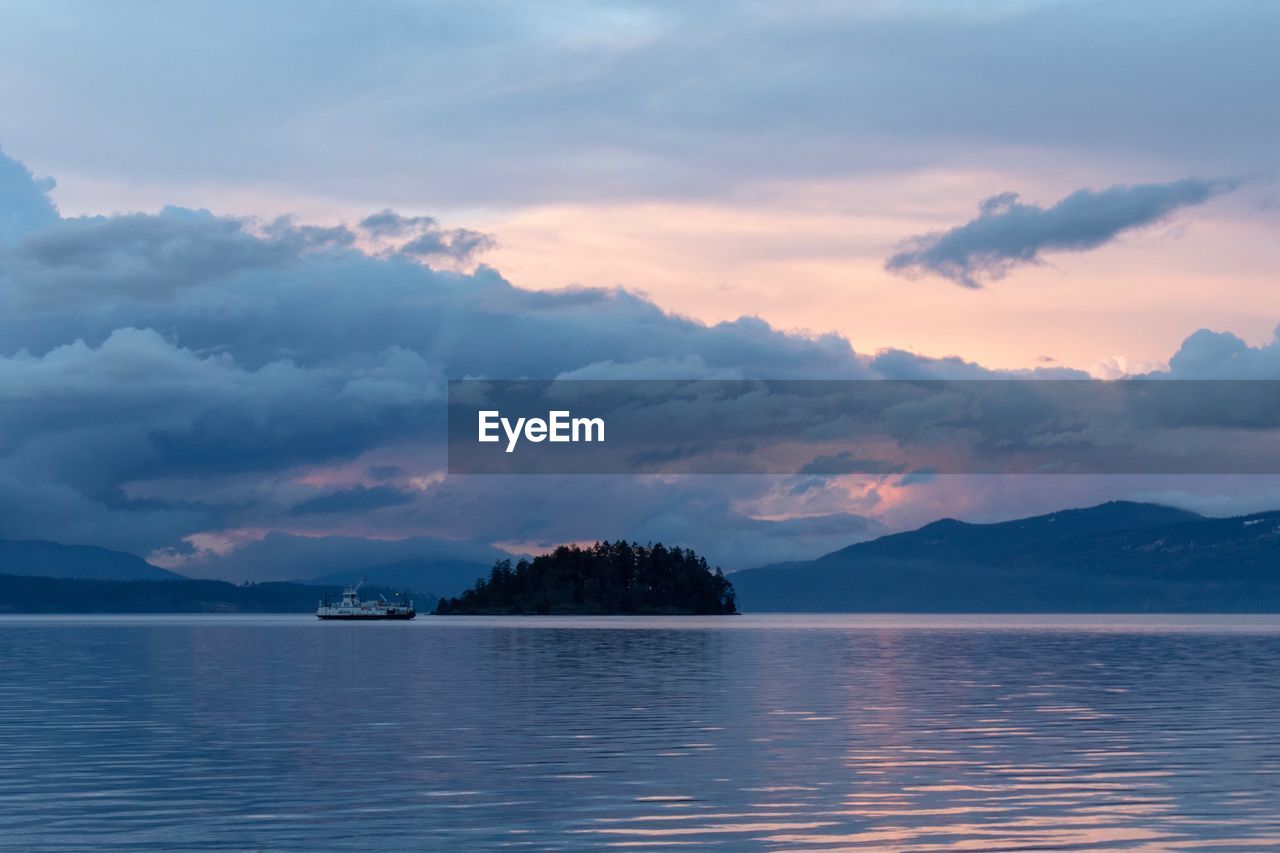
745 189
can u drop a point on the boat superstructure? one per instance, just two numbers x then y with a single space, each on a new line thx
351 608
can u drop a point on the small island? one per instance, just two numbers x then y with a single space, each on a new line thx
608 578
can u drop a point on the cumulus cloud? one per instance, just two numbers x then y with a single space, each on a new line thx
1009 233
1207 354
181 374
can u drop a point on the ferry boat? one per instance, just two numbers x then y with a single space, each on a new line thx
351 608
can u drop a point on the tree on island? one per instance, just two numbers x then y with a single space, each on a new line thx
606 578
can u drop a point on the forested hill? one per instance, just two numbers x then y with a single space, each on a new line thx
1116 557
607 578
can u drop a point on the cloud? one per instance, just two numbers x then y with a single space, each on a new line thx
388 223
150 254
846 462
280 556
201 376
894 363
356 499
917 477
674 103
168 375
1206 354
26 204
422 236
1009 233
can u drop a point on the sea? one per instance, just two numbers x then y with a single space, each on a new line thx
755 732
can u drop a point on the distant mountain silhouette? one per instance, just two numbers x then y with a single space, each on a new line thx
1116 557
49 559
438 577
27 594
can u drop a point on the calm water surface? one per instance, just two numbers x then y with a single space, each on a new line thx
754 732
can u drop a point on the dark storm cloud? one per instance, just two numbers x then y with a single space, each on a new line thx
151 253
168 374
1009 233
846 462
358 499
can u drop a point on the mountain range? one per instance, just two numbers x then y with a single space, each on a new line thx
34 594
47 577
49 559
1116 557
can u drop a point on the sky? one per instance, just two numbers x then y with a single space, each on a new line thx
243 246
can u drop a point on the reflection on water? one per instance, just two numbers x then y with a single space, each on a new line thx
787 733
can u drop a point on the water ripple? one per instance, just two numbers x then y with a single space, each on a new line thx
770 733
